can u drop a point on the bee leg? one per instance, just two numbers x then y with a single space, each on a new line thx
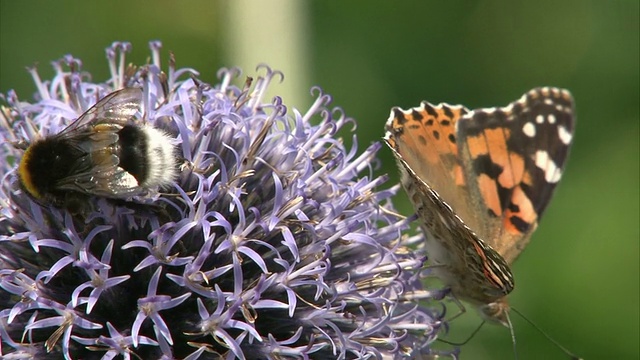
76 204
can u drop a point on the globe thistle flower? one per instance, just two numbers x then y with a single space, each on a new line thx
276 241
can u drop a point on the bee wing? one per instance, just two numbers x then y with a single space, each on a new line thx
102 177
113 181
97 171
116 108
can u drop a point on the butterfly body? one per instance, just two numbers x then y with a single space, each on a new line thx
479 181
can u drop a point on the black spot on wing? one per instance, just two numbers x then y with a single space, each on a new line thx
429 109
513 207
399 116
504 196
482 120
422 140
520 224
483 165
447 111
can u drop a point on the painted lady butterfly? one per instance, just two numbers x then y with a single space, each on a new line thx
480 181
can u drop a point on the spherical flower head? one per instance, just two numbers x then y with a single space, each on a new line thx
275 241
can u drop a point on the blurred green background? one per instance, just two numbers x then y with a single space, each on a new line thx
578 279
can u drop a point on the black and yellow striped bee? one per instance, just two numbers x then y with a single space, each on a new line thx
108 152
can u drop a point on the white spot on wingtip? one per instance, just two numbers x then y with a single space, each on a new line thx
551 118
507 109
529 129
565 135
523 98
539 119
552 173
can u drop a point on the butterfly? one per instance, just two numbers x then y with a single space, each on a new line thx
480 181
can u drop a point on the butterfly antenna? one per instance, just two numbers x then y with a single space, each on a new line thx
553 341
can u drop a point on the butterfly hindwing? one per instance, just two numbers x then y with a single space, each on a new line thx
425 138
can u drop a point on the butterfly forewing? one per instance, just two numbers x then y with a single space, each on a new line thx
513 158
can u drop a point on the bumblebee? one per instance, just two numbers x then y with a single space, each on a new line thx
106 152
